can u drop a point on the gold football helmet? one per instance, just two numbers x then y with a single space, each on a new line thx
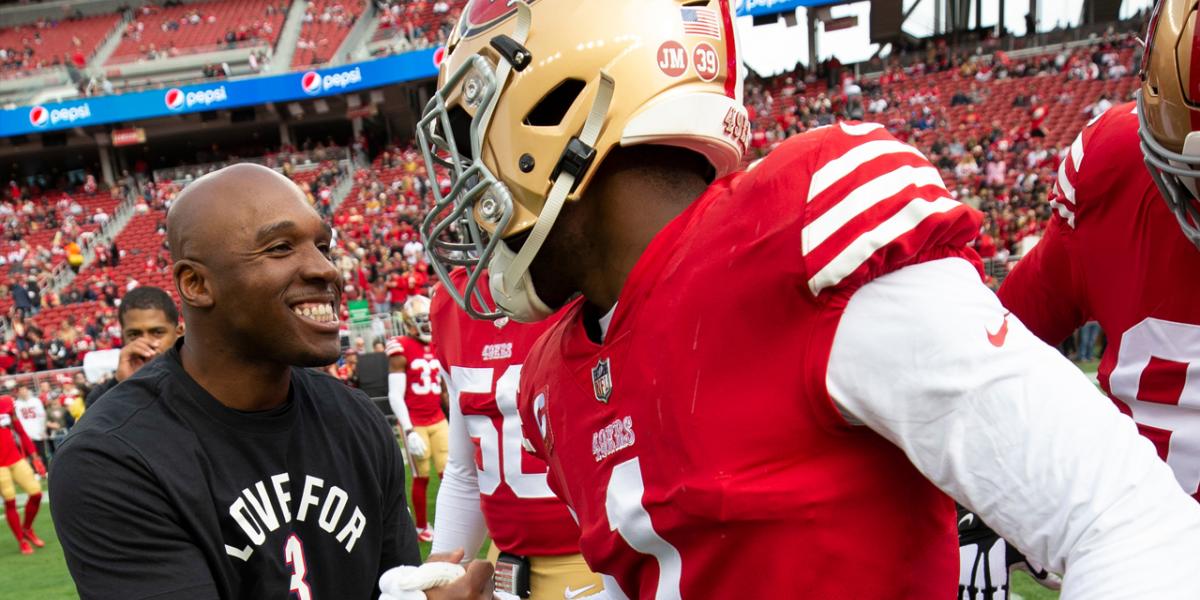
1168 106
415 315
533 94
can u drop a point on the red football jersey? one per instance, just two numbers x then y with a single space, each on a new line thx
10 424
1114 253
698 444
483 360
424 394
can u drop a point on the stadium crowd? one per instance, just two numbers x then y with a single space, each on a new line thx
953 106
992 144
421 23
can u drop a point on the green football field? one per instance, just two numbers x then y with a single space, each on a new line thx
43 576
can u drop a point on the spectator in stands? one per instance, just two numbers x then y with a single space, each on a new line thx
58 423
1101 106
22 300
150 325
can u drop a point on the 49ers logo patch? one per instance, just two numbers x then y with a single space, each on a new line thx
482 15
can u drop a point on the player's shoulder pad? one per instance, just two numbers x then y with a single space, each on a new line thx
1098 158
394 346
872 204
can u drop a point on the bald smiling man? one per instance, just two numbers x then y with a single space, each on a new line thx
224 468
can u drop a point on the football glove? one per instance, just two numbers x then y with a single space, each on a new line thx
410 583
987 560
416 445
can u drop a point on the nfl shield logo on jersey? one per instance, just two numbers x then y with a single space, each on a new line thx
602 380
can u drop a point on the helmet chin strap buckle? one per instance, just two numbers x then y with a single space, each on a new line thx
516 54
576 159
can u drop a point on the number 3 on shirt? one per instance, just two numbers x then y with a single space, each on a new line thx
1156 376
293 553
471 380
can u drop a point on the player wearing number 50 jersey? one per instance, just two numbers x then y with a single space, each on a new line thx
492 484
1115 251
837 271
415 395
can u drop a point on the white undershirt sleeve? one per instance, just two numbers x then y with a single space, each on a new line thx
460 522
397 384
928 358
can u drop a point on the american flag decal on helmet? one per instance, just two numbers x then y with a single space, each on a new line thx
701 21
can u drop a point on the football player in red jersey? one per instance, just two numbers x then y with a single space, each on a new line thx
415 394
15 447
492 484
828 295
1120 236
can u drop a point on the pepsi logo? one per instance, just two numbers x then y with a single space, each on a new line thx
39 116
174 99
439 55
311 82
483 15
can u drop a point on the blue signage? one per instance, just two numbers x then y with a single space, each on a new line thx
136 106
754 8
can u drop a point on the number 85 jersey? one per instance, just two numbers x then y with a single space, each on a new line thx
483 363
1114 253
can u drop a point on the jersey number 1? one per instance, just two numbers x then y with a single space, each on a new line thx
627 516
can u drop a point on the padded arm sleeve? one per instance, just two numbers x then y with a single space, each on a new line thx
927 358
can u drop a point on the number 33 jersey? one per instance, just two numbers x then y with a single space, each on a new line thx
483 362
424 395
698 444
1114 253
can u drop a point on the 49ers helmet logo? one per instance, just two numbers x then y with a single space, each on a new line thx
482 15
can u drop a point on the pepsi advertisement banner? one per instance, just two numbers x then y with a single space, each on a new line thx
215 95
754 8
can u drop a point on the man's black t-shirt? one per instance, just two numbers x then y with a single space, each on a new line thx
161 491
98 391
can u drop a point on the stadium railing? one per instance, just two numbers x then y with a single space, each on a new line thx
56 378
378 328
302 161
118 61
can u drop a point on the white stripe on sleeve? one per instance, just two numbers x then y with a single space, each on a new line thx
861 249
834 170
